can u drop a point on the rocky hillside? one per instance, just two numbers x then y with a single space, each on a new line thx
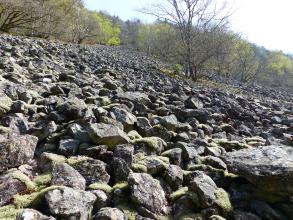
100 133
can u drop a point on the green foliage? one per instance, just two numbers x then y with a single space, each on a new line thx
109 32
280 63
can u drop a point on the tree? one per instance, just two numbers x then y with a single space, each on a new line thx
192 18
20 14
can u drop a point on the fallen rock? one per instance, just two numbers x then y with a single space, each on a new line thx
147 192
107 134
268 167
69 204
109 214
65 175
31 214
16 150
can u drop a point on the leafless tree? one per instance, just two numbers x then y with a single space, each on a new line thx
193 19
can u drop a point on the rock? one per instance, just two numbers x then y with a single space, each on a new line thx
121 169
31 214
108 213
68 147
268 167
92 170
65 175
103 200
147 192
16 150
47 161
245 216
153 143
193 103
10 186
174 155
125 152
174 176
5 104
205 187
127 119
107 134
78 133
67 203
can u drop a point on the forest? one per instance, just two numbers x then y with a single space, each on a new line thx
198 43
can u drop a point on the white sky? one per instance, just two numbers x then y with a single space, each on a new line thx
268 23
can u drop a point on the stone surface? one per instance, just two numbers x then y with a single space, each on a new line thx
147 192
69 204
16 150
268 167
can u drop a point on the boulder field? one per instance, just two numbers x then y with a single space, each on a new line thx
105 133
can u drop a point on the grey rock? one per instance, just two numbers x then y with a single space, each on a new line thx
107 134
67 203
108 213
68 147
147 192
65 175
31 214
16 150
268 167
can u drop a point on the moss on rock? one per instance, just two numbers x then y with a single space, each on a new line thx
101 186
9 212
223 200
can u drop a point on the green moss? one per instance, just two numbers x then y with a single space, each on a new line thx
184 191
43 179
101 186
134 135
140 168
9 212
128 210
152 142
56 159
33 199
72 161
177 194
121 185
4 130
223 200
30 185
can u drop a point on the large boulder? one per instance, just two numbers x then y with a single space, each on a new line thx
65 175
16 150
268 167
109 135
67 203
147 192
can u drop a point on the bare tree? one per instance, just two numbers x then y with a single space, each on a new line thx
20 14
192 18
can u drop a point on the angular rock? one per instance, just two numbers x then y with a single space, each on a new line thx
147 192
268 167
65 175
108 213
31 214
67 203
68 147
92 170
16 150
107 134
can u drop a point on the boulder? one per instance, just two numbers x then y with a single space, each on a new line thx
268 167
67 203
65 175
147 192
109 135
16 150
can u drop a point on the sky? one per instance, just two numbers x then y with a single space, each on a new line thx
268 23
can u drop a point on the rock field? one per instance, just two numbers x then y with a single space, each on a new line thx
97 132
